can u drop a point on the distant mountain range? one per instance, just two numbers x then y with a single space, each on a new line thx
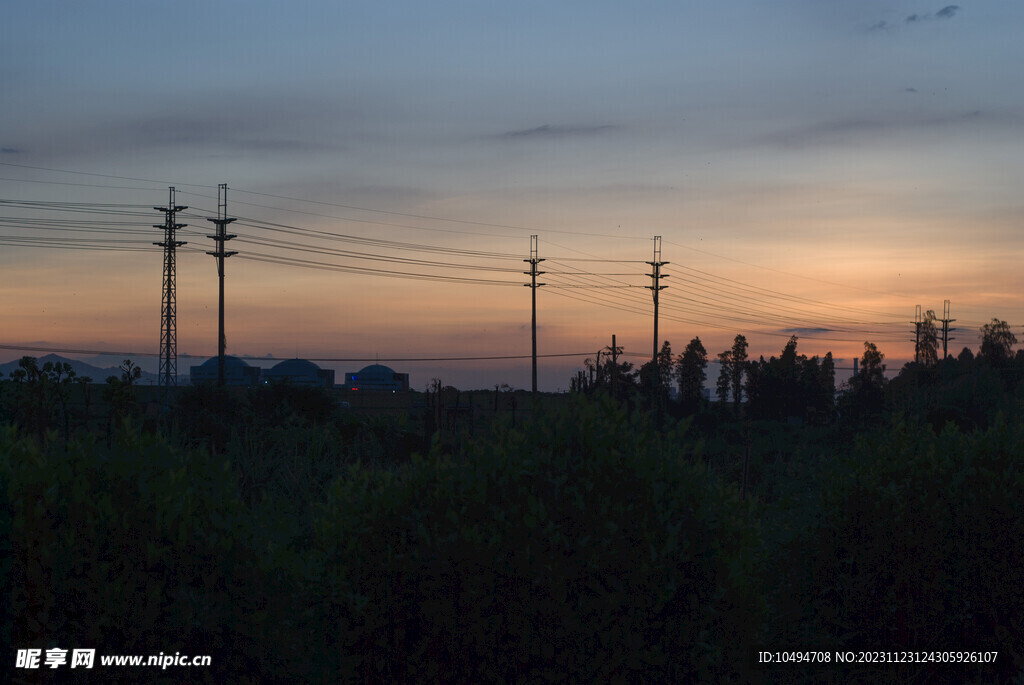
97 374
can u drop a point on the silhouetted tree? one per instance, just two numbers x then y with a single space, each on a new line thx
578 383
738 364
789 372
656 378
827 387
864 399
589 378
790 386
40 392
659 371
31 396
956 391
690 369
928 341
724 376
966 356
619 379
665 366
120 393
872 370
997 341
86 384
760 385
60 376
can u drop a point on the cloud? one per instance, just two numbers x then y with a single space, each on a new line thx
253 126
213 132
805 331
845 131
548 131
825 132
947 12
10 151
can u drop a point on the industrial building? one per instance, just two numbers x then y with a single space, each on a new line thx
377 378
237 372
299 372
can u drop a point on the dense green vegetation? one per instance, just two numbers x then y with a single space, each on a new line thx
613 534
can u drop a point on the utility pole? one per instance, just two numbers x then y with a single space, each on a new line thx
656 287
534 260
917 334
614 351
946 329
220 238
169 304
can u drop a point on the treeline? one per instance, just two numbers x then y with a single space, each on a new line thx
968 389
789 386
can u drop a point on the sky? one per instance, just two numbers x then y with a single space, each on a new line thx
813 167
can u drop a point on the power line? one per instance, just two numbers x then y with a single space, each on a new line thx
626 304
79 185
785 273
89 173
800 312
64 350
794 298
716 306
592 280
375 242
408 275
429 217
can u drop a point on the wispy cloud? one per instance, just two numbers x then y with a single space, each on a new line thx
10 151
253 128
215 132
947 12
805 331
549 131
856 130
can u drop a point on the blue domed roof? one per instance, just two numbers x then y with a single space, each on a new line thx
229 362
296 367
376 372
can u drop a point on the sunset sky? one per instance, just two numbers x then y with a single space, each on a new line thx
814 167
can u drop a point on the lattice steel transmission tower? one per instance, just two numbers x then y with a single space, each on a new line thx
533 285
169 306
220 238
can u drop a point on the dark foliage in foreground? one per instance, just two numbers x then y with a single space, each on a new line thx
594 540
586 545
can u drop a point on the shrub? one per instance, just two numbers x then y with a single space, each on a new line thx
138 548
918 545
582 548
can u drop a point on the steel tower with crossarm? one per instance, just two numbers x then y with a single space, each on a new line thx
169 306
220 238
